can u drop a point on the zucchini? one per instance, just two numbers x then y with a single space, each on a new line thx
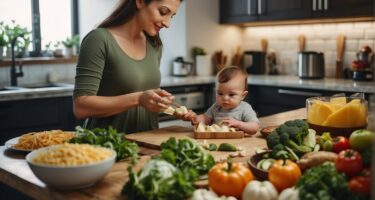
267 163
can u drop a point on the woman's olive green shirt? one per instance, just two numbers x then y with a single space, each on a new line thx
104 69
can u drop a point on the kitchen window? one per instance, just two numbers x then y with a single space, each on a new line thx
49 21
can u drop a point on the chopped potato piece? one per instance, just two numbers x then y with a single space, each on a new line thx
169 111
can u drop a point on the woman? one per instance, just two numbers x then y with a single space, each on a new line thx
118 77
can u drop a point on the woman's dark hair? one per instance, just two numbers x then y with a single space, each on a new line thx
125 10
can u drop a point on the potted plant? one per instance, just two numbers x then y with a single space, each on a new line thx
202 62
57 52
13 30
3 41
70 43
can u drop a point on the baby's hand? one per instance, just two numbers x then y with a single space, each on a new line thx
189 116
231 122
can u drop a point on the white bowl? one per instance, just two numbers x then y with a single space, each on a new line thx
69 177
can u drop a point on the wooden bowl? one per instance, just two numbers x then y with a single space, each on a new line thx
346 132
260 174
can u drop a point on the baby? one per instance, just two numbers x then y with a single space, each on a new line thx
229 108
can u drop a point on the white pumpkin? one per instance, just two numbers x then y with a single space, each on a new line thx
289 194
259 190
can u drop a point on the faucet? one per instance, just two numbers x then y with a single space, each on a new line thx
13 71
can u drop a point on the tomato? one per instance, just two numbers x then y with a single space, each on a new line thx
284 174
361 139
229 178
361 184
349 162
340 143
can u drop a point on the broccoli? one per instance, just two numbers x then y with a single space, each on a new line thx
272 139
279 152
284 138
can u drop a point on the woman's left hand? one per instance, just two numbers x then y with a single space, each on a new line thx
155 100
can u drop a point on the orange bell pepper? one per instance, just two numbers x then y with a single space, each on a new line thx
284 174
229 178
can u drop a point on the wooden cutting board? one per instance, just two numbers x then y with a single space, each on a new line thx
153 139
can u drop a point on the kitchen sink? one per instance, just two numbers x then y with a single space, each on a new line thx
9 88
47 85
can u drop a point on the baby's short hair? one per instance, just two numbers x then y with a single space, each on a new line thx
227 73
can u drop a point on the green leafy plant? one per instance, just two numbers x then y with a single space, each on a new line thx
109 138
3 41
13 30
70 42
195 51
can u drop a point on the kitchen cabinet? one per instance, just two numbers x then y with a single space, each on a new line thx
250 11
22 116
268 100
340 8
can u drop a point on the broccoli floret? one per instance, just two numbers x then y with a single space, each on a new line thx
284 138
297 122
272 139
279 152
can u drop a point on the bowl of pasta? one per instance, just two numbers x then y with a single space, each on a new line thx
71 166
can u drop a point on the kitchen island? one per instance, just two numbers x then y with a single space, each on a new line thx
15 172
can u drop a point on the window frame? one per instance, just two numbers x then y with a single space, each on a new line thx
35 20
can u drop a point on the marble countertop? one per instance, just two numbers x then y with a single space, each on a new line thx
170 81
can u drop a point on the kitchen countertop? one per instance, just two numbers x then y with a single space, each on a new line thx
15 172
332 84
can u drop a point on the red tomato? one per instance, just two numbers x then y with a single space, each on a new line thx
361 184
349 162
340 143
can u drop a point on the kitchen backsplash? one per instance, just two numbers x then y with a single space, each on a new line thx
35 74
319 37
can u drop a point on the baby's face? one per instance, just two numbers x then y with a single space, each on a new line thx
231 93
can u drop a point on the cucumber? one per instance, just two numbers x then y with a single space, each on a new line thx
227 147
266 164
259 164
259 150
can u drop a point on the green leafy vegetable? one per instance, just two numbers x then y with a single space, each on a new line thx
185 154
107 138
323 182
295 135
159 180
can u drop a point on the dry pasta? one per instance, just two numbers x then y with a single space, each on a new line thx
73 155
36 140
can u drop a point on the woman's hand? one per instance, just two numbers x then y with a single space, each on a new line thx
155 100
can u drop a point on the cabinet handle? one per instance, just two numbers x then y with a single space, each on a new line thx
248 7
299 93
325 4
320 4
259 7
314 5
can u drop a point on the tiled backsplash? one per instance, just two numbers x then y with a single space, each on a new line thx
35 74
319 37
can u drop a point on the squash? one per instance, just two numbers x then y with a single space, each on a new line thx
229 179
284 174
289 194
259 190
204 194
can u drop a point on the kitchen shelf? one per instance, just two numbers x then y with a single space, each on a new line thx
40 60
